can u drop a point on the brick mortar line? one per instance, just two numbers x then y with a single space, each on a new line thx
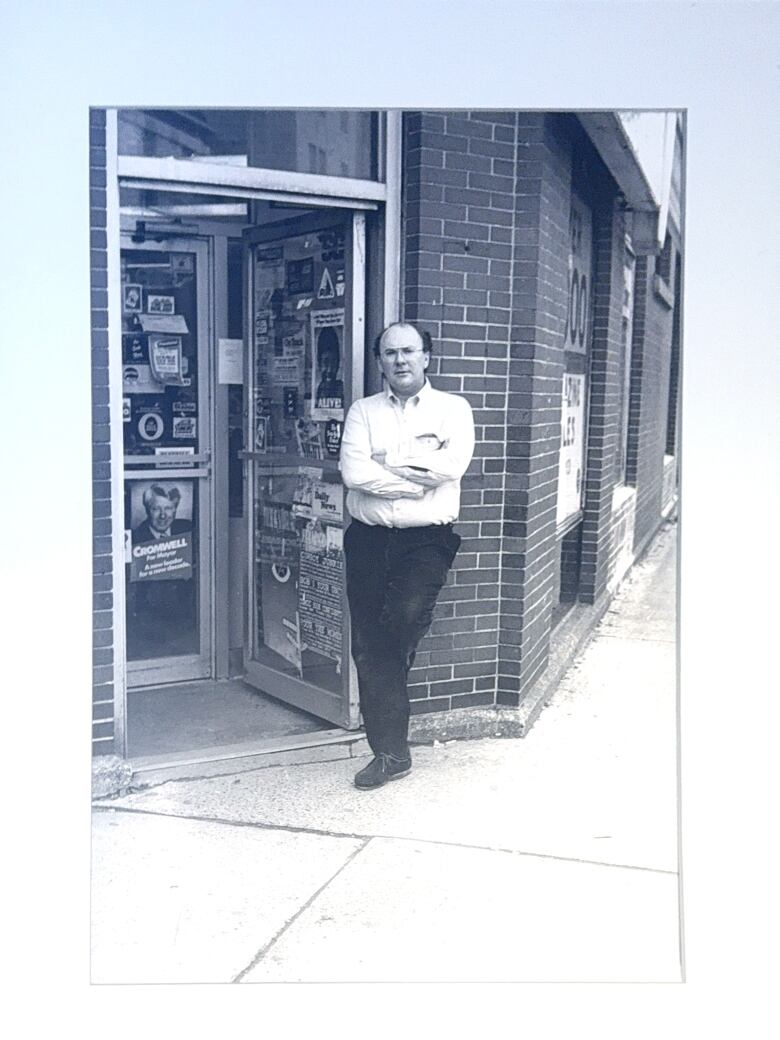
366 838
261 953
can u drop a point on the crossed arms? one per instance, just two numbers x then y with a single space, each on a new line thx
389 475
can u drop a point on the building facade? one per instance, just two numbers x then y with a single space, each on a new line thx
242 263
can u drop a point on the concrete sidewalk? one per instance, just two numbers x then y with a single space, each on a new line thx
551 858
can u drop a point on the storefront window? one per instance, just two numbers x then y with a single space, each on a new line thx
340 143
161 422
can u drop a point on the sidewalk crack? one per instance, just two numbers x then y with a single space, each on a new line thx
290 828
261 953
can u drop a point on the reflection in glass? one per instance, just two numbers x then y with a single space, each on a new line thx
339 143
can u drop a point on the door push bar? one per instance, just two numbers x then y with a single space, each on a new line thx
163 459
167 473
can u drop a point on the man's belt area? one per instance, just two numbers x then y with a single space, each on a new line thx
416 527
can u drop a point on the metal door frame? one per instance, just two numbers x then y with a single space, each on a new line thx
342 709
186 667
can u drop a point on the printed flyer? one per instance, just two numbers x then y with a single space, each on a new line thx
165 359
277 558
161 531
320 583
327 361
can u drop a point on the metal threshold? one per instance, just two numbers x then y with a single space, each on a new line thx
319 746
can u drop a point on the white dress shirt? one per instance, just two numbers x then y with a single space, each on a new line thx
428 446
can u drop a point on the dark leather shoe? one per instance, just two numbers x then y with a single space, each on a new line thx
381 769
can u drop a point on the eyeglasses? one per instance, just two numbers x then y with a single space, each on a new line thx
404 352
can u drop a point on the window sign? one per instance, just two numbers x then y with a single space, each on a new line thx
580 288
576 345
162 574
627 326
570 470
162 532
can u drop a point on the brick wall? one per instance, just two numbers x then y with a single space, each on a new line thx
459 201
486 203
604 423
102 653
531 559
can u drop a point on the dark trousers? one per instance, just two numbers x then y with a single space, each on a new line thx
394 576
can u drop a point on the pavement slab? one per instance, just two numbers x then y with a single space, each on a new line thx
595 779
183 901
552 857
411 912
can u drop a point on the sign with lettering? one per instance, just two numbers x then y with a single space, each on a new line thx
327 359
580 292
570 471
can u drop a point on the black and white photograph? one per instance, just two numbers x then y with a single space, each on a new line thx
406 633
432 690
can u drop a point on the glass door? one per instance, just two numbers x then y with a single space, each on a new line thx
304 365
167 461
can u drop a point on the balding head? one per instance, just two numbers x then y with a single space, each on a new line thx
423 335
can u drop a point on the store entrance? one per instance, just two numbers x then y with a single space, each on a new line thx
243 346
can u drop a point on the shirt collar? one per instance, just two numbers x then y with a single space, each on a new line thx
420 396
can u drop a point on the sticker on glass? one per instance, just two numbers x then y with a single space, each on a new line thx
132 298
151 426
184 427
158 304
165 359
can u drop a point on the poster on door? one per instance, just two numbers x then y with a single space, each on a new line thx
161 531
327 364
572 456
269 278
276 554
279 606
320 586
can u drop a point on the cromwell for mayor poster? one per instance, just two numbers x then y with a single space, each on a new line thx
161 538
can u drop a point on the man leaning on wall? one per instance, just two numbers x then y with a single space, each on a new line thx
403 454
